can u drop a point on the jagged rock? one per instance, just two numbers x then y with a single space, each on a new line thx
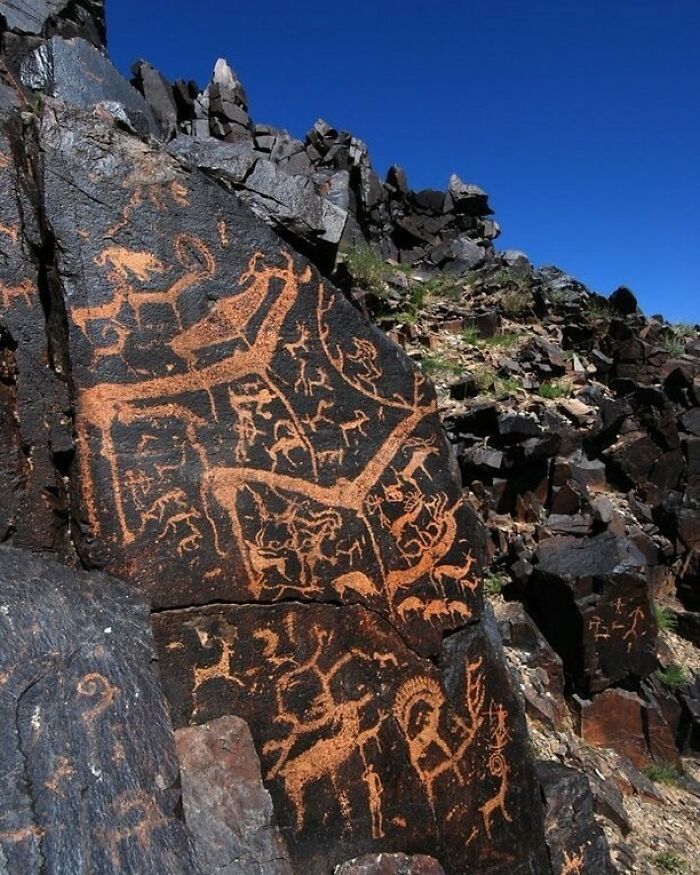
35 430
76 72
590 598
623 301
226 807
84 18
539 669
390 864
576 843
158 93
86 748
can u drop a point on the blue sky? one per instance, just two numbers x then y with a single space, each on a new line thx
581 119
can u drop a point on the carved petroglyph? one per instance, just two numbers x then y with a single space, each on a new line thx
138 816
22 292
433 751
497 765
573 863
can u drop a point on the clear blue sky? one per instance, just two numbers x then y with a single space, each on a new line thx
581 118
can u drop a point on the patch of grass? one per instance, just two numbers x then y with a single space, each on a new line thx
557 296
470 335
665 618
368 270
516 303
673 677
667 861
601 311
507 387
555 390
501 341
437 363
494 583
674 345
663 773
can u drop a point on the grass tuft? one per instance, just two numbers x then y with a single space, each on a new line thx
555 390
667 861
666 620
673 677
663 773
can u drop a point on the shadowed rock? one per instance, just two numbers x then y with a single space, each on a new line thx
86 748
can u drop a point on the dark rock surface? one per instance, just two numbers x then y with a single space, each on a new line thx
87 756
390 864
226 808
576 843
364 746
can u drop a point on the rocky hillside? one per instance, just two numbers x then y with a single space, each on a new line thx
408 528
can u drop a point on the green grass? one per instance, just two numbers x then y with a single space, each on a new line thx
673 345
665 618
368 270
557 296
494 583
555 390
436 363
667 861
505 388
663 773
470 335
603 312
673 677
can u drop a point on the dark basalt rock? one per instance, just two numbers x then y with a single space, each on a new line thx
576 843
35 429
86 748
159 95
77 73
364 746
591 599
84 18
243 436
390 864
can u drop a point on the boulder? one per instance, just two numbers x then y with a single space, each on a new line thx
576 843
85 18
590 597
86 747
226 808
158 93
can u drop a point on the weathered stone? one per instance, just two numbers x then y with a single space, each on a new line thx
86 748
227 809
590 598
339 718
621 720
576 843
35 429
244 437
390 864
539 668
44 17
77 73
623 301
158 93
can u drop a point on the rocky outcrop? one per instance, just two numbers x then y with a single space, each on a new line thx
86 748
228 434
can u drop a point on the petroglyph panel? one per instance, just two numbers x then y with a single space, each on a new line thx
86 748
242 434
362 745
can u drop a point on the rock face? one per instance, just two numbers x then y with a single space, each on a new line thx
86 747
236 432
226 807
390 864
